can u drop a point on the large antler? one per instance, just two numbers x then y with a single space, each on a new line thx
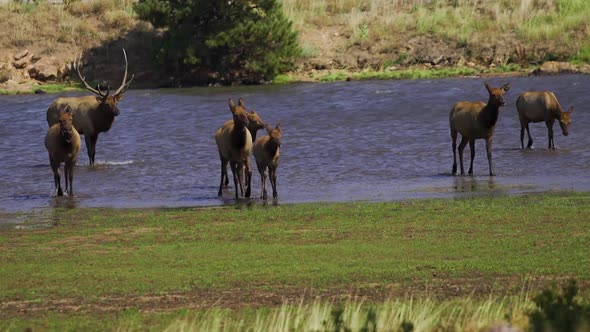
125 85
77 65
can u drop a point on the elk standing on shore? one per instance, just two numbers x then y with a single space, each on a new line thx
537 106
92 114
266 152
63 145
234 143
255 123
476 121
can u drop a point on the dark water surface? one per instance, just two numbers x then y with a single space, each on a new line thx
371 140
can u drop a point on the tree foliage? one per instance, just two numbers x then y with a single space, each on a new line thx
233 37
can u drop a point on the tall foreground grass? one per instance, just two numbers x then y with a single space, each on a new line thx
356 315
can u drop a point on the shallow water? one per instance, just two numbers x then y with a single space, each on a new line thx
369 140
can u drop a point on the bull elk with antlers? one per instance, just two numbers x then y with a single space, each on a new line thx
92 115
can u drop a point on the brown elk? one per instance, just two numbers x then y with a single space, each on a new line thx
537 106
92 114
63 145
266 151
476 120
255 123
234 143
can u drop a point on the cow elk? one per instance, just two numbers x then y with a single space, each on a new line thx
92 114
63 145
255 123
266 152
476 120
537 106
234 143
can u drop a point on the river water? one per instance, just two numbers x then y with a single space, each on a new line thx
346 141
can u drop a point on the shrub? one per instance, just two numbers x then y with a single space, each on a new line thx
560 312
238 38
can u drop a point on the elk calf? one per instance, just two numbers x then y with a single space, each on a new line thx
476 121
537 106
234 143
267 150
63 144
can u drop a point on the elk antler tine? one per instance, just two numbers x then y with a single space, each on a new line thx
83 79
124 84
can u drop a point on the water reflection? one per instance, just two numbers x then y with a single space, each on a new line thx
465 184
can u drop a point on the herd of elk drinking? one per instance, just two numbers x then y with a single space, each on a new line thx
91 115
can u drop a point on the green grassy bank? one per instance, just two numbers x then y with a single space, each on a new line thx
98 265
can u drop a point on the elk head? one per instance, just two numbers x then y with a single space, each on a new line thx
275 134
66 125
108 103
497 94
239 113
565 119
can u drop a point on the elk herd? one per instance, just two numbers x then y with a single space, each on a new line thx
68 118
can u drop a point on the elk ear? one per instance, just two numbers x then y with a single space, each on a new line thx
118 98
488 87
268 128
278 127
101 99
506 87
241 102
232 106
571 110
253 112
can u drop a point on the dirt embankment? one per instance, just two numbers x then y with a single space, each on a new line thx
45 40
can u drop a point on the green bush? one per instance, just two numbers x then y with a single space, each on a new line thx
238 39
560 312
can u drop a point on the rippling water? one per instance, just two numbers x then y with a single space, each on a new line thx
370 140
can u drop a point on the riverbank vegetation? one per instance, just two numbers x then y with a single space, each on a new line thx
90 264
364 39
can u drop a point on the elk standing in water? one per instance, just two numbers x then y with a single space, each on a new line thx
537 106
476 121
255 123
63 144
92 114
234 143
266 152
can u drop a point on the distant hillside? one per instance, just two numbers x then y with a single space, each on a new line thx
346 35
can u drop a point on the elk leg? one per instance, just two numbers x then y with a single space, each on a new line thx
262 171
521 135
273 181
550 132
70 175
489 152
56 177
241 177
454 139
472 150
90 147
248 172
234 169
223 173
461 148
528 132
